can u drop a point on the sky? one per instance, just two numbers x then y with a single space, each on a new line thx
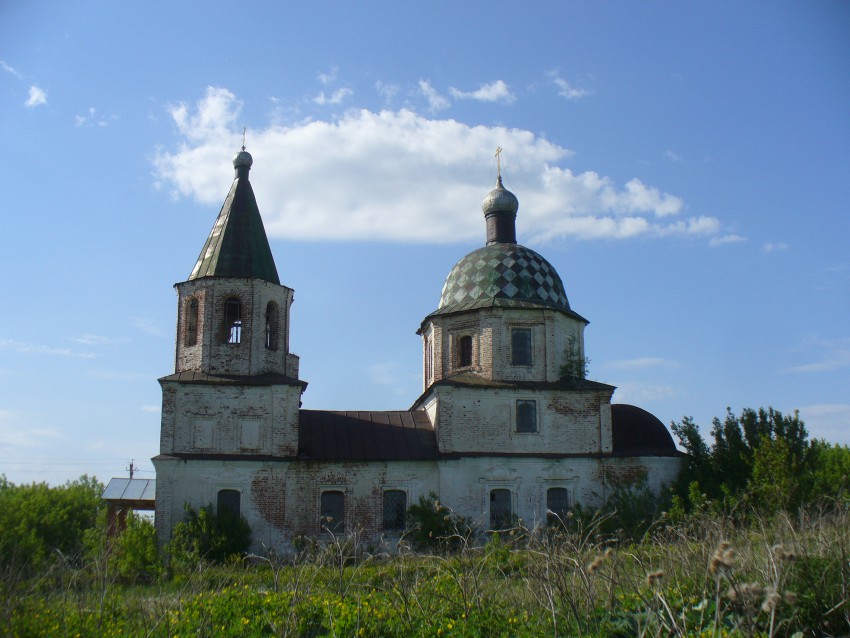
685 166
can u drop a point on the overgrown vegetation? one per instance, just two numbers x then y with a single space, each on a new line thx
761 459
765 552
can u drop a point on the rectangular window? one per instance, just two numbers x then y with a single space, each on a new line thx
521 346
464 352
557 505
526 415
500 509
395 509
332 512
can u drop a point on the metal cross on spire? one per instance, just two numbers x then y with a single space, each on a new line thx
244 128
499 162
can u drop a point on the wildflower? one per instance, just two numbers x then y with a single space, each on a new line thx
770 601
723 557
654 578
596 564
781 555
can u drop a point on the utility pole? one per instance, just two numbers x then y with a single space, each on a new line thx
132 468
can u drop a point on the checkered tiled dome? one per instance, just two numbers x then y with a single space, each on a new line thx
504 271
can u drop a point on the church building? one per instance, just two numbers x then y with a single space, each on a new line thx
506 427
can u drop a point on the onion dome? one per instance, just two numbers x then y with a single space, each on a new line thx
636 432
237 246
500 207
504 275
242 162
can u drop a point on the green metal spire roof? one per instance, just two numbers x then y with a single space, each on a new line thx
237 246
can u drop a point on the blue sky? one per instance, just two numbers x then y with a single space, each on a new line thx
684 166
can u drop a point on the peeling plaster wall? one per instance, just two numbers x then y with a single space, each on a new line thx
281 500
484 420
231 419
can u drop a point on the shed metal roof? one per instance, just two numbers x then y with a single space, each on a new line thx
127 489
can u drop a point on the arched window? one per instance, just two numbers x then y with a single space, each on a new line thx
272 321
332 515
191 322
500 509
557 505
464 351
229 503
395 509
526 415
233 320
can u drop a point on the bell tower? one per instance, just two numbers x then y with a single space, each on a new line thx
235 389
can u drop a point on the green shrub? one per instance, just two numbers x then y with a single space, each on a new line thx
136 551
434 525
210 535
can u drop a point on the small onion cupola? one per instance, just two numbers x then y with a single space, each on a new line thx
237 246
500 207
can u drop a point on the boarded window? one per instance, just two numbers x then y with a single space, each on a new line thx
464 351
272 321
395 509
229 503
521 346
557 505
249 434
191 322
500 509
526 416
233 320
203 434
333 512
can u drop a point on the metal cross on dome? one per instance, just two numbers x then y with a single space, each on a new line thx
498 161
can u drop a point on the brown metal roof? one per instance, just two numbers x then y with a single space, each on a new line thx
366 436
636 432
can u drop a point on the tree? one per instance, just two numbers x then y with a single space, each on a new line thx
40 523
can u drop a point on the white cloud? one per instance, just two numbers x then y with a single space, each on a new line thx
387 91
329 77
672 156
566 90
641 363
828 421
636 392
11 70
152 408
36 97
727 239
334 98
35 348
436 102
402 176
90 340
771 247
92 118
147 326
498 91
832 354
